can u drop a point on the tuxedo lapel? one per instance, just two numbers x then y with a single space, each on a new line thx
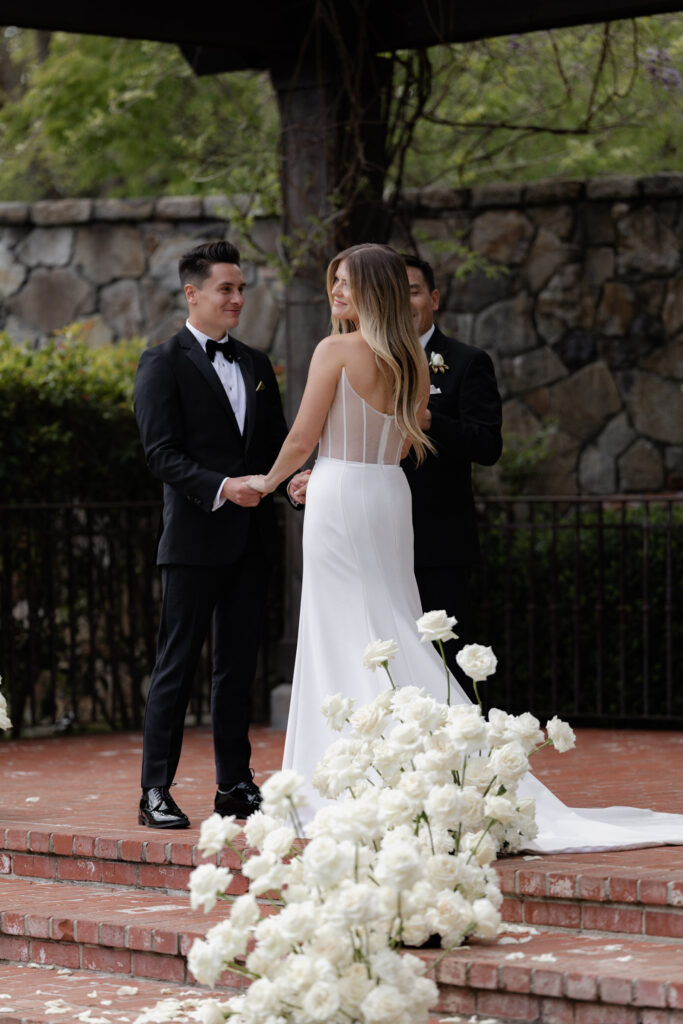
196 354
247 367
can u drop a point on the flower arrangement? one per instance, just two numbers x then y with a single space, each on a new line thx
423 796
5 722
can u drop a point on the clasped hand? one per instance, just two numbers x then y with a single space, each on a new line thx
296 487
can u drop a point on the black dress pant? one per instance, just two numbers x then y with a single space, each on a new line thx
449 588
234 595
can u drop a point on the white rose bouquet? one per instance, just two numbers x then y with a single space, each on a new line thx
423 796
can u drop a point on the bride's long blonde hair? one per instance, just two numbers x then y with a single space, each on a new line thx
380 293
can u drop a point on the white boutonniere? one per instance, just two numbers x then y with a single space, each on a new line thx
260 386
436 363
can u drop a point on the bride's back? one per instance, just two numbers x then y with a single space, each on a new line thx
359 426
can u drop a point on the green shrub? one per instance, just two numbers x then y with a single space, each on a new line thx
67 429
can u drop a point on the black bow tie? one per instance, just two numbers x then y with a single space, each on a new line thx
227 347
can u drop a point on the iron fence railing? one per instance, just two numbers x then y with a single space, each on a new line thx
580 599
79 603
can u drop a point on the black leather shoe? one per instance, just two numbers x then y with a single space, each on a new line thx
158 809
241 800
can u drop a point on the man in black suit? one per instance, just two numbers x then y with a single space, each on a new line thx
209 414
464 423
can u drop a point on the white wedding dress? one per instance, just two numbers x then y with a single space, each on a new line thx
359 586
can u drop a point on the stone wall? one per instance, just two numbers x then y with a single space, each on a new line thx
583 316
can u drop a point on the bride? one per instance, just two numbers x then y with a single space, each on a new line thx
366 394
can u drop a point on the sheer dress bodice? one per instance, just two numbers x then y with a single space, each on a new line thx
356 432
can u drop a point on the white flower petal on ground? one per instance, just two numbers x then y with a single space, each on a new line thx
560 734
436 625
477 661
378 652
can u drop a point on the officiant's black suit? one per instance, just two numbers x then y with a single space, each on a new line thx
465 428
213 562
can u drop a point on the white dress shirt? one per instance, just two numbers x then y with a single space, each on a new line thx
424 338
232 380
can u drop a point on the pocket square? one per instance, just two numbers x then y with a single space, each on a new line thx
433 390
260 386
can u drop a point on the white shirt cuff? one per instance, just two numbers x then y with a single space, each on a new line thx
218 501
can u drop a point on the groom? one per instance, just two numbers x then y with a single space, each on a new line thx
463 421
209 414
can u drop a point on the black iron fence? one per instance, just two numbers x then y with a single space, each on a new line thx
79 603
580 598
582 601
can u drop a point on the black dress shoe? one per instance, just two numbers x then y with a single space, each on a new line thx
241 800
158 809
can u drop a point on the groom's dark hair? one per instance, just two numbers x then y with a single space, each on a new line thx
195 265
424 268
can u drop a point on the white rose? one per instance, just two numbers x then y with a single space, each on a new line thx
321 1001
423 995
476 661
368 721
436 626
326 862
336 710
396 808
257 826
332 944
205 962
353 904
487 918
442 802
385 1004
353 987
561 734
406 737
527 729
206 882
261 997
466 727
210 1013
297 922
244 912
500 809
478 773
436 359
216 831
282 786
379 652
228 939
426 712
279 841
441 870
509 763
415 785
453 915
481 847
399 862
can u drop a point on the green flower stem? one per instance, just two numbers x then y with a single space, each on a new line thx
296 820
448 675
476 693
454 945
385 666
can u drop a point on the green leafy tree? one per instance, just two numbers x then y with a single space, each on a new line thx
85 115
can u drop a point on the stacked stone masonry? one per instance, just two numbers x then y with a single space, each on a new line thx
580 303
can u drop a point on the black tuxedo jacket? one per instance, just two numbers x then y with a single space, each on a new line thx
192 442
466 428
